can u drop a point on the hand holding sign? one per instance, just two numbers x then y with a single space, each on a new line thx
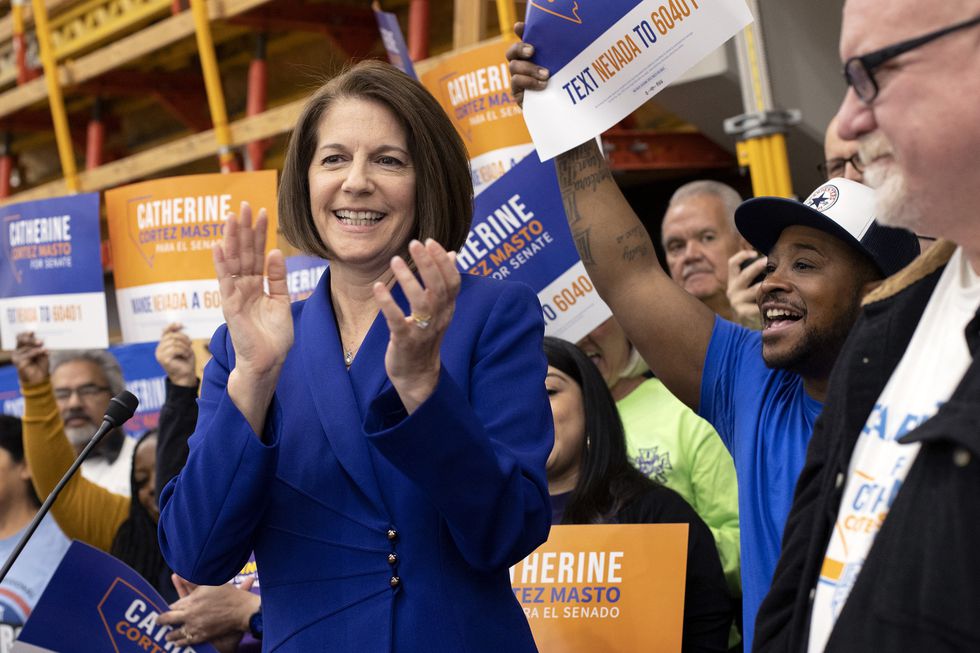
607 58
31 359
260 324
175 353
524 74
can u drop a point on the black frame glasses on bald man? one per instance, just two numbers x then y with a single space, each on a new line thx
859 71
837 166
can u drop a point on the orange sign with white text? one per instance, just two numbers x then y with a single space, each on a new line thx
161 233
606 588
473 87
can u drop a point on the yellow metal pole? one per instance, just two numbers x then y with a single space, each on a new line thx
507 16
762 158
212 84
55 99
19 40
765 153
780 166
772 154
756 169
17 16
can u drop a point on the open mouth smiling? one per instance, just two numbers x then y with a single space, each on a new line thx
776 317
358 218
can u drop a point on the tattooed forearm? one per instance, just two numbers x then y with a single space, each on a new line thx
591 199
638 230
582 169
635 252
584 246
571 207
635 243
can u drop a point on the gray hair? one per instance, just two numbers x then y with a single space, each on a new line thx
100 357
728 196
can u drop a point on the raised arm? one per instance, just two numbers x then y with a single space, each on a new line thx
179 412
84 511
260 323
670 328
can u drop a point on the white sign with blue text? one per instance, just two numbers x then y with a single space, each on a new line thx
608 57
51 277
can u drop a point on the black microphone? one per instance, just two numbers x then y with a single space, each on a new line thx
121 408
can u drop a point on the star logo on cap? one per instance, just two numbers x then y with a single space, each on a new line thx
823 198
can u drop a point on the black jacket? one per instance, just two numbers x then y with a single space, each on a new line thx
178 416
919 589
708 609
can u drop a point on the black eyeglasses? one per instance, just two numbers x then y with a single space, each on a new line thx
84 392
836 167
859 71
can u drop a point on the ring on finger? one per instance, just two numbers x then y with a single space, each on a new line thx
422 320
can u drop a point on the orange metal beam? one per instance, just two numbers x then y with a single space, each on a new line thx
647 149
94 143
256 100
6 165
418 30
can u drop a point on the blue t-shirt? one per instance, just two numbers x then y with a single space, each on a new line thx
29 576
765 419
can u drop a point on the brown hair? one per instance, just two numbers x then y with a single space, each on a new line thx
444 188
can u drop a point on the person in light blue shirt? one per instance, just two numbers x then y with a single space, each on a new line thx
29 576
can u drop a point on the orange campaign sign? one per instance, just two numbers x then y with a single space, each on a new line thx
606 587
161 233
473 86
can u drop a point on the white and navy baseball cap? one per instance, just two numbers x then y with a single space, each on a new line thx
840 207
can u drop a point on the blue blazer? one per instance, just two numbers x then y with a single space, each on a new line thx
374 530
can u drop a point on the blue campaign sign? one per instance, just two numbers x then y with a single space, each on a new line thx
144 378
394 42
559 29
303 272
51 272
519 233
520 218
11 401
51 246
95 603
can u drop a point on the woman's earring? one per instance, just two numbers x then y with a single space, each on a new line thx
588 442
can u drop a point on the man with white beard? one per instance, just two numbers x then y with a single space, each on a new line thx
880 549
761 391
84 381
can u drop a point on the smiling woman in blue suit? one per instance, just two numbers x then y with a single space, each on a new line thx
381 445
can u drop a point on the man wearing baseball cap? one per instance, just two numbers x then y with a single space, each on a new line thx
761 391
832 234
880 548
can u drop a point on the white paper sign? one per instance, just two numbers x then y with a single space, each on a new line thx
608 57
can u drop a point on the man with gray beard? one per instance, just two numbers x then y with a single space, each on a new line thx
879 551
83 382
761 391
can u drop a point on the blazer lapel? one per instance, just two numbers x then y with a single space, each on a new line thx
368 375
338 409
